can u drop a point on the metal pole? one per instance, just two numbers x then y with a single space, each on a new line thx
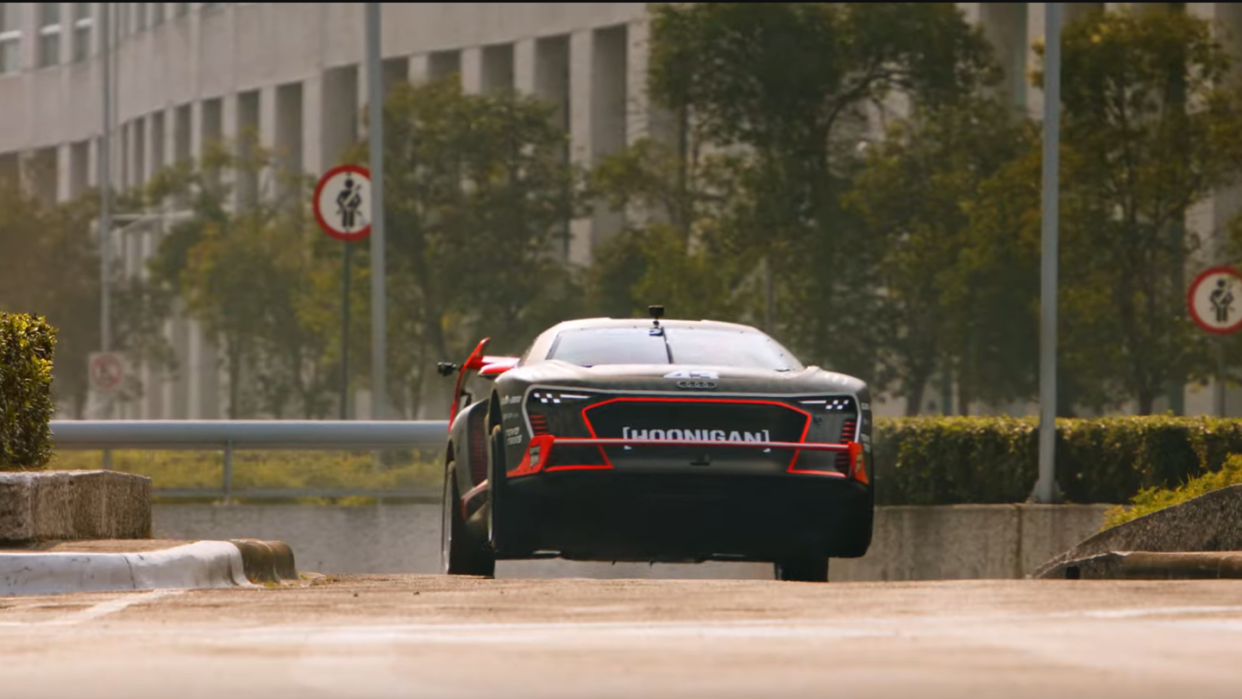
375 137
228 473
105 191
345 333
767 294
1044 488
1220 377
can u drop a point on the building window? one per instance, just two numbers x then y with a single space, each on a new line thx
81 31
140 16
157 14
49 34
182 9
10 37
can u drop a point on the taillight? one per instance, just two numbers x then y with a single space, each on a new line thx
559 413
847 435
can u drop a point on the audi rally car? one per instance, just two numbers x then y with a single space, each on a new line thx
651 440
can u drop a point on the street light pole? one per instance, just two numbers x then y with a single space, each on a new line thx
105 180
105 194
375 138
1045 487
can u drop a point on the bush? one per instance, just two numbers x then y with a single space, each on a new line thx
26 406
1151 500
949 460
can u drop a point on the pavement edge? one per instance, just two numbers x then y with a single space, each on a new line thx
200 565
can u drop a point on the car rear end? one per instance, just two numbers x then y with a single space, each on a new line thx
689 476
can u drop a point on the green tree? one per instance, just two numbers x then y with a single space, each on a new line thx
49 266
253 276
1150 129
677 251
475 194
790 84
957 282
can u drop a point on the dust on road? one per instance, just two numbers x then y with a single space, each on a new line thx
432 636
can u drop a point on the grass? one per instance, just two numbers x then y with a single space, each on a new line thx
269 469
1151 500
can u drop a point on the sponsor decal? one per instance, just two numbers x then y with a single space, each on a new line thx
695 374
697 435
696 384
513 435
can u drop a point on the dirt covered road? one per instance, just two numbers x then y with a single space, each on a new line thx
431 636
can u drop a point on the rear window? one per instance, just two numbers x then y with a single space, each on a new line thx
702 347
609 346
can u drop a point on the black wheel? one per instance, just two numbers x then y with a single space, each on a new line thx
802 570
460 552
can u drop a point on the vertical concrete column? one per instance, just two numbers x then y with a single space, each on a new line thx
201 368
609 106
644 118
472 70
312 125
581 135
92 162
64 172
419 69
524 66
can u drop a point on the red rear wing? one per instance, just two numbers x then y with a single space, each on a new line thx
488 367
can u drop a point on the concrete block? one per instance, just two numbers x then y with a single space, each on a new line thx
73 505
1210 522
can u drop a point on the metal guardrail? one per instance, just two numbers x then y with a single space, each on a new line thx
230 435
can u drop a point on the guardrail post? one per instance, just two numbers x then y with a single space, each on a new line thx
228 472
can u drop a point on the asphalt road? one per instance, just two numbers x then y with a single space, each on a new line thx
431 636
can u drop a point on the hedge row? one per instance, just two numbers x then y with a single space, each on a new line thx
951 460
26 408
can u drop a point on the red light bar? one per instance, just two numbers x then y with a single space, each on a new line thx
603 441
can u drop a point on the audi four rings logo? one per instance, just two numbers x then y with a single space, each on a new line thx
696 384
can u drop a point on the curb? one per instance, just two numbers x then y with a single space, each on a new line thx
1144 565
266 561
201 565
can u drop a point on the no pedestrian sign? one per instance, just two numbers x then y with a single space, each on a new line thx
1215 300
106 371
343 202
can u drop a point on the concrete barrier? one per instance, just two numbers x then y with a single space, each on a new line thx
910 543
73 505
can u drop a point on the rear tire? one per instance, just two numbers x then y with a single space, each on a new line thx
804 569
461 553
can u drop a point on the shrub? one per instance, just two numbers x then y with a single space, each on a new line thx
936 461
26 407
1151 500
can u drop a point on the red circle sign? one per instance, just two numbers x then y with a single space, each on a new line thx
1215 300
106 372
342 202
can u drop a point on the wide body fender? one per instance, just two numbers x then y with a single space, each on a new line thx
468 446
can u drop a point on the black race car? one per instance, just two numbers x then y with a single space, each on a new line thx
651 440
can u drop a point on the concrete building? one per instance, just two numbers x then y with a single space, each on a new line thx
190 72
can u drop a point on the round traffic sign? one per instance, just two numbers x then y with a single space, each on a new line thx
106 372
1215 300
343 202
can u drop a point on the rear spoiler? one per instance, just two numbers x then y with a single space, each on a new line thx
487 366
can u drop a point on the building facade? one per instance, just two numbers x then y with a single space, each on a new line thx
187 73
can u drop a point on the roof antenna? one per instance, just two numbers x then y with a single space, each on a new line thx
656 312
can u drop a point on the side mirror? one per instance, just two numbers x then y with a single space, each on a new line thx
447 368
